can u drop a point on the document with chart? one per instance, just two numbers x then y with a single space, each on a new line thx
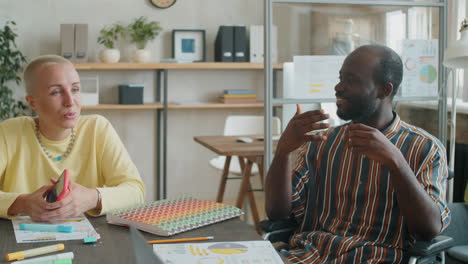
81 226
315 76
245 252
420 68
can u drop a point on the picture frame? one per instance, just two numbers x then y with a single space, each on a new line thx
189 45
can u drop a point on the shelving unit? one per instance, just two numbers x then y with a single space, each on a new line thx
161 104
269 67
175 66
122 107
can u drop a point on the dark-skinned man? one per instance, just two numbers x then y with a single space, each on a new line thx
364 191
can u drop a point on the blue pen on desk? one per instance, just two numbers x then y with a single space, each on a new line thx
46 228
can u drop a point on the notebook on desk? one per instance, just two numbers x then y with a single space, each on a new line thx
172 216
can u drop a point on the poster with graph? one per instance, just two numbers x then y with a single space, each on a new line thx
315 76
420 68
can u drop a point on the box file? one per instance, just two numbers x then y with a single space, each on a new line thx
224 44
81 42
67 39
256 44
240 44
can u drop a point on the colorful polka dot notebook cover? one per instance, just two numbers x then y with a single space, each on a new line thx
172 216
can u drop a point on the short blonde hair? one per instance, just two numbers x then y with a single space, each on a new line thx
30 70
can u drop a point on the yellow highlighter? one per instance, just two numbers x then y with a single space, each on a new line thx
34 252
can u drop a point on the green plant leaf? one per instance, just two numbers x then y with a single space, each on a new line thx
109 35
11 63
141 31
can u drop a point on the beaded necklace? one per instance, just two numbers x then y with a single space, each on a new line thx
58 158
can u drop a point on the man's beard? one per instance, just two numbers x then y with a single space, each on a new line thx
361 109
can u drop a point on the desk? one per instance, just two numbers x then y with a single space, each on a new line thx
115 245
252 152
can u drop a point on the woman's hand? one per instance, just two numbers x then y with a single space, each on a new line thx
32 204
78 200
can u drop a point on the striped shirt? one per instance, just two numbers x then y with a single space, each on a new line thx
345 204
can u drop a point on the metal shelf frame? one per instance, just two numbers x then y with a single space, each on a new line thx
269 75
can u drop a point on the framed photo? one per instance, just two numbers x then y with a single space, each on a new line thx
188 45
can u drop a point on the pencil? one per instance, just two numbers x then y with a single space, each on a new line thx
180 240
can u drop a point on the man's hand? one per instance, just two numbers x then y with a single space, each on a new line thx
373 144
420 211
295 133
79 200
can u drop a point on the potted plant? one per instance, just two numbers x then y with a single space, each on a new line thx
107 37
140 32
11 62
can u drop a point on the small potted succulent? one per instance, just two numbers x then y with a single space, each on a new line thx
141 31
107 37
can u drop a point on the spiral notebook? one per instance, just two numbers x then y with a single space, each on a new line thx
172 216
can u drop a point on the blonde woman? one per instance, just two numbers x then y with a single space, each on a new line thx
34 150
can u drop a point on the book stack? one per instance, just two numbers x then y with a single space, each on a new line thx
238 96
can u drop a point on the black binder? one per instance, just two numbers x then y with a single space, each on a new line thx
240 44
224 44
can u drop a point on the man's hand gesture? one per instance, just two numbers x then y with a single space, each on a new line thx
372 143
295 133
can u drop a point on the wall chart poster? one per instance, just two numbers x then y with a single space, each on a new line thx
420 68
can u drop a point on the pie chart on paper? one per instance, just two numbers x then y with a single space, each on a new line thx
428 74
228 248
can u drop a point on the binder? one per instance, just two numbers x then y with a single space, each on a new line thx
240 44
257 44
224 44
67 41
81 42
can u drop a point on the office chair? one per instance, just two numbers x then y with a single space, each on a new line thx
458 230
241 126
427 252
421 252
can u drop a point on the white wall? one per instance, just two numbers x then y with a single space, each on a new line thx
38 26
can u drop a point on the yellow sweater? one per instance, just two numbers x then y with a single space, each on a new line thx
97 159
466 194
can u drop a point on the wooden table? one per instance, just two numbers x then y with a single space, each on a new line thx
248 153
115 245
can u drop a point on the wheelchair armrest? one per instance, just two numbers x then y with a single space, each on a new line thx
278 230
432 247
273 225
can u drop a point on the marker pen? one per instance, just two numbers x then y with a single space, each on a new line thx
67 255
46 228
34 252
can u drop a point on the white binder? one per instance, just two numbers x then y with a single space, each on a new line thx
257 44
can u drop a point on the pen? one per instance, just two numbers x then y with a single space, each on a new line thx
46 228
34 252
179 240
68 255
